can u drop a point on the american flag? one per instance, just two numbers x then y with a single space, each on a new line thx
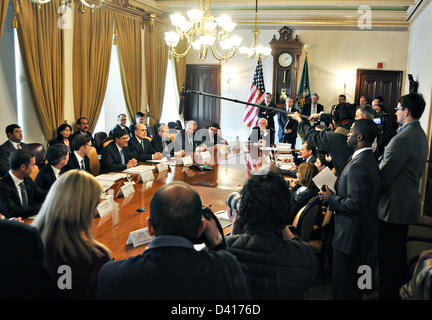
256 96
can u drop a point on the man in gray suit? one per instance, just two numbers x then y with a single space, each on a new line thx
402 167
355 204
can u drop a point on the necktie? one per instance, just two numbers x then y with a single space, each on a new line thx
340 174
123 162
82 164
24 199
164 145
142 144
18 145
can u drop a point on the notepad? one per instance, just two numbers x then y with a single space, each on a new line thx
325 178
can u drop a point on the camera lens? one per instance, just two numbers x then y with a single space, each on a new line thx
233 201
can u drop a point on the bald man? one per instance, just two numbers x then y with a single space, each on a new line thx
140 147
163 270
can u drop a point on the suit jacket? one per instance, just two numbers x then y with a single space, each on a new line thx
118 126
45 178
5 150
111 159
22 275
132 130
137 150
307 108
286 122
257 134
158 146
10 204
73 163
333 142
356 205
268 114
402 167
182 143
175 272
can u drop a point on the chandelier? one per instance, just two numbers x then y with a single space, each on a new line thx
69 3
256 49
203 33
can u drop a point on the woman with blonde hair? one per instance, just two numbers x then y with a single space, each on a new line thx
303 189
65 226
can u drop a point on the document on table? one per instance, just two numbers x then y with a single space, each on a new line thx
325 177
138 169
113 176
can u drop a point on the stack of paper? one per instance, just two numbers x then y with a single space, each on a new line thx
283 147
112 176
139 169
105 184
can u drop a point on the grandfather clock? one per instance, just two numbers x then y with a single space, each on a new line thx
286 52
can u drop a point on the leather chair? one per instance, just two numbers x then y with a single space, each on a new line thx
40 153
99 138
304 220
94 162
34 173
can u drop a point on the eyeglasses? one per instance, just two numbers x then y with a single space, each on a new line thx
397 109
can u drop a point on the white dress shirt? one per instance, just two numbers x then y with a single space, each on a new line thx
56 172
79 158
17 182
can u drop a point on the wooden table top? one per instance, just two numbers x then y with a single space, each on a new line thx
229 174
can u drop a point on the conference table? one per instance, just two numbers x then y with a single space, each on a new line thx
230 172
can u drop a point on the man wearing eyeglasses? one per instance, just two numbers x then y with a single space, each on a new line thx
402 167
15 135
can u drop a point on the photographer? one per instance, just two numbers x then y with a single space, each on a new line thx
170 268
277 264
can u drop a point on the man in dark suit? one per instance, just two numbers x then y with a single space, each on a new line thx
19 197
163 271
58 157
307 154
22 274
268 114
356 208
14 134
140 118
287 126
312 107
189 140
82 125
140 147
116 156
261 134
162 142
402 167
81 146
333 142
212 137
121 124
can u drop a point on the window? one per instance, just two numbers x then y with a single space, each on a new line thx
171 97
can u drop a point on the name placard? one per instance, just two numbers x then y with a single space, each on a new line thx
163 166
105 207
145 176
205 155
126 190
139 237
187 161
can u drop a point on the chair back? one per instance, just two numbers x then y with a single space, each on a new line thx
40 153
304 221
94 162
34 173
99 138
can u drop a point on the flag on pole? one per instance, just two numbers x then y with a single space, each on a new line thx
303 94
256 96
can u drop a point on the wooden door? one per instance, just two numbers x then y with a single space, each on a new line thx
372 83
205 78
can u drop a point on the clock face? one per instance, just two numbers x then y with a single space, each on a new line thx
285 60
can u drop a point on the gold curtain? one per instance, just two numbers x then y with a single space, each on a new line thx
3 11
156 58
180 65
41 44
129 48
92 41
